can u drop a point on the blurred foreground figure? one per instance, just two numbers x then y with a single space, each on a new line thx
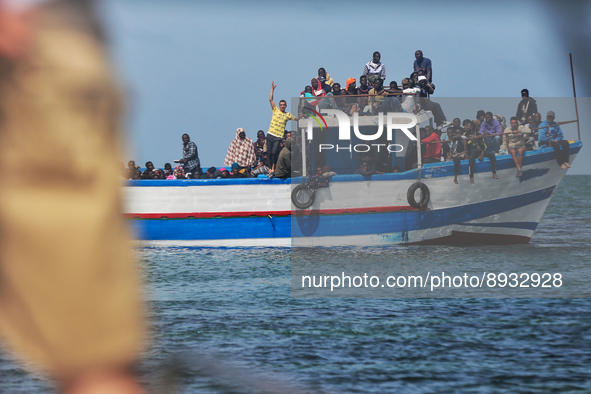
70 299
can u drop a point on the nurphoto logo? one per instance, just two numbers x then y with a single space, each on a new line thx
393 120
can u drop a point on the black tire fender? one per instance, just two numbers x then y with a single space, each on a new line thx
426 195
294 196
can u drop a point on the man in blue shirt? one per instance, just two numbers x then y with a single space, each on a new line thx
422 63
551 135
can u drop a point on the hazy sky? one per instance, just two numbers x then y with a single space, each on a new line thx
205 68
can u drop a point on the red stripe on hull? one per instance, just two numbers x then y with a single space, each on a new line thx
220 215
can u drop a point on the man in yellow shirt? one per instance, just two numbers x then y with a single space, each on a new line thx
277 129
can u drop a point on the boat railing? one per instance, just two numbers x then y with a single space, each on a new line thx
317 103
333 100
505 135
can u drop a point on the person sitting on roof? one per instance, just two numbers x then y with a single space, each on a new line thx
340 101
241 150
363 91
324 77
408 99
351 104
423 64
316 91
391 102
426 90
551 135
374 69
514 142
307 103
377 95
283 167
432 153
476 148
526 107
492 132
322 89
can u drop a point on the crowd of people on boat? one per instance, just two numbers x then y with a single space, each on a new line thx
278 153
245 158
488 135
372 95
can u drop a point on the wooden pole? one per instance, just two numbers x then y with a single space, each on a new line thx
556 124
575 94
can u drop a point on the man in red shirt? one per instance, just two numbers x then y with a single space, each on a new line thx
432 151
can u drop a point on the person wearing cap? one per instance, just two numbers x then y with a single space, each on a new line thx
550 134
526 107
238 171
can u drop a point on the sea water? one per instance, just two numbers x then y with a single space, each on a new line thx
223 320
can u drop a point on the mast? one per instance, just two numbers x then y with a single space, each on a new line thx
575 95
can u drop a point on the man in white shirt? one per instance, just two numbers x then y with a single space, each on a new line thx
374 69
